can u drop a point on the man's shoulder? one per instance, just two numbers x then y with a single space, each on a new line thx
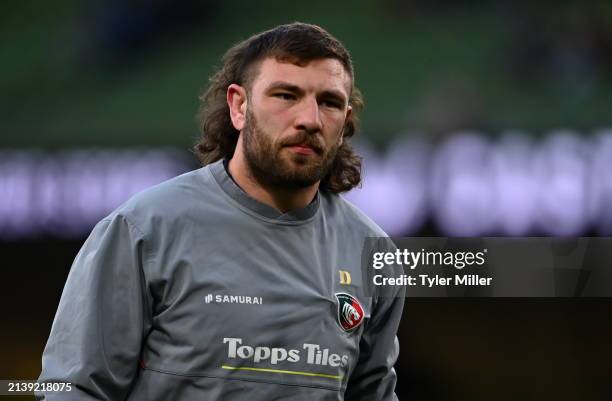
352 216
169 199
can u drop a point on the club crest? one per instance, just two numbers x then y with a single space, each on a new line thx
350 312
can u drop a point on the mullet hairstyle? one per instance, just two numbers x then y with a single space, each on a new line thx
296 43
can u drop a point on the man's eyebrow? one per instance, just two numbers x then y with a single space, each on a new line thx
286 86
330 93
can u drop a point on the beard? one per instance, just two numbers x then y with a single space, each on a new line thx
273 166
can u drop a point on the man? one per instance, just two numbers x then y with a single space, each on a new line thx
240 280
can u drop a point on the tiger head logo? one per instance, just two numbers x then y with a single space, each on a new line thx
350 311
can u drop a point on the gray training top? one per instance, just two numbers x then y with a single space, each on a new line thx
192 290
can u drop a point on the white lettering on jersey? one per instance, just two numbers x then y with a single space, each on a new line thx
315 355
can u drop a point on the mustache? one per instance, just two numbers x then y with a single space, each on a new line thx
304 139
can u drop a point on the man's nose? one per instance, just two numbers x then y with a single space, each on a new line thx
309 118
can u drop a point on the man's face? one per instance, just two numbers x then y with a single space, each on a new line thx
294 121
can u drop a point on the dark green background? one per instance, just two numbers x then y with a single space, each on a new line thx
431 67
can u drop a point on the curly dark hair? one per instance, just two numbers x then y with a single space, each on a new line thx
297 43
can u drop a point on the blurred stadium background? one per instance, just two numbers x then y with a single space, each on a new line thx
481 118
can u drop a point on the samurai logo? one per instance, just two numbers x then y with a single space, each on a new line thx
350 312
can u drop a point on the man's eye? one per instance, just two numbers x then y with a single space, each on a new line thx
332 104
284 96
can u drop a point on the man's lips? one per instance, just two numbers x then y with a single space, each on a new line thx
302 149
305 148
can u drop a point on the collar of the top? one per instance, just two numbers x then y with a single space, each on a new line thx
232 189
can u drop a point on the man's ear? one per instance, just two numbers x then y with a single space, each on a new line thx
237 102
349 112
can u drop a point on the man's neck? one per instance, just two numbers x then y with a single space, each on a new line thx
281 199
